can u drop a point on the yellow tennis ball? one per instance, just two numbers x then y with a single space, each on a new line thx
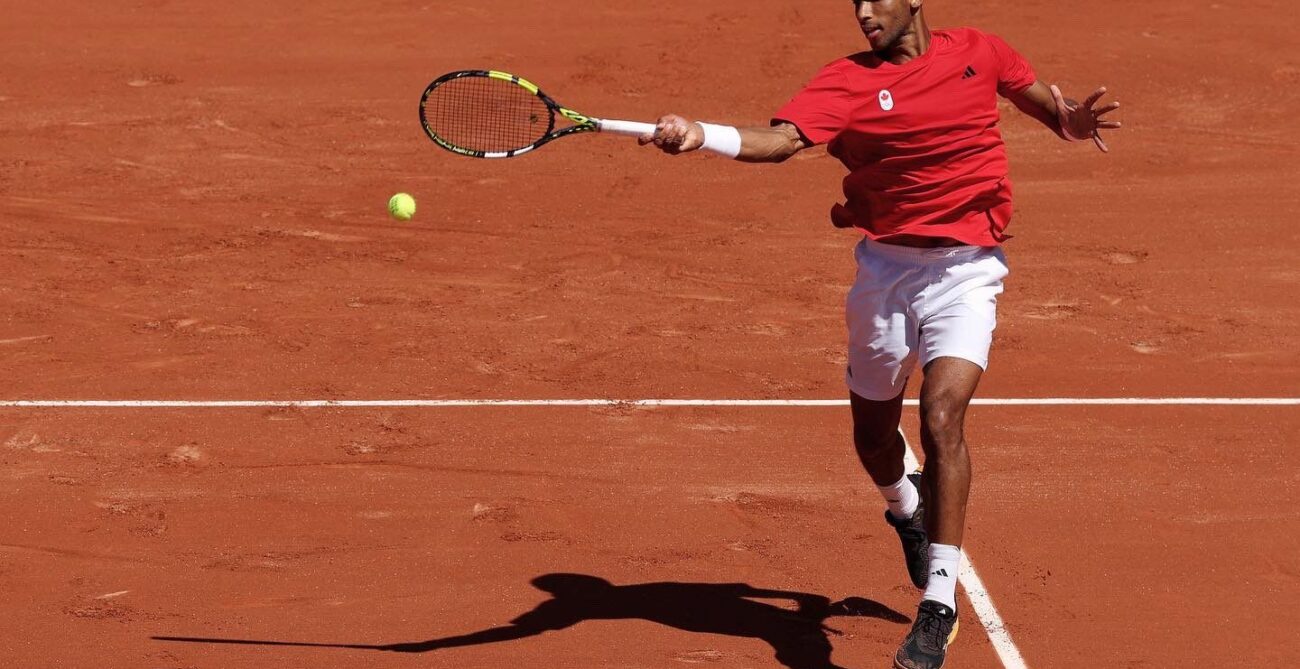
401 207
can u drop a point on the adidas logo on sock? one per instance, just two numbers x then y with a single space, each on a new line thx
941 572
970 72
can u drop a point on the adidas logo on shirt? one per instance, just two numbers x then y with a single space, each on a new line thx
970 72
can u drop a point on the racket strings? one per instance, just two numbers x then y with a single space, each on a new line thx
486 114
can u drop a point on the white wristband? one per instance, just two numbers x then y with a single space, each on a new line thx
723 140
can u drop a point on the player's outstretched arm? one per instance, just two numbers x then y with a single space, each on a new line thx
1065 117
676 135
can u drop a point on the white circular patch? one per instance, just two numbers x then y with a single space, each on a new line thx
886 100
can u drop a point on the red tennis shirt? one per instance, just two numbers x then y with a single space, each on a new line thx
920 139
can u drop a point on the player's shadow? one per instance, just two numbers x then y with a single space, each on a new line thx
798 635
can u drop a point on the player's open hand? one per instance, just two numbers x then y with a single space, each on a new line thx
674 134
1083 121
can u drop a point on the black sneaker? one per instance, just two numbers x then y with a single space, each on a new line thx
916 544
926 645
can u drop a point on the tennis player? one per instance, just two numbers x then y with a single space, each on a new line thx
914 119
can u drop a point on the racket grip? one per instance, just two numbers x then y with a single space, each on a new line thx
631 128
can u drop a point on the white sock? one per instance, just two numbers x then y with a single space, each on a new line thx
902 498
945 560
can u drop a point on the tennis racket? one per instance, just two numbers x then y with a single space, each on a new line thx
489 114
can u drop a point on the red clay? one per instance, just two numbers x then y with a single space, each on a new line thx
192 207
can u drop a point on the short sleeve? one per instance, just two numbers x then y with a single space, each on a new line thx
1014 72
820 111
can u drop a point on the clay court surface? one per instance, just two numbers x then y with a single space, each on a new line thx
191 208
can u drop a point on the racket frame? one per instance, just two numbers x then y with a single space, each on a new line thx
581 122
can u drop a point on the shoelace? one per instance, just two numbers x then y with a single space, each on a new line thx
933 636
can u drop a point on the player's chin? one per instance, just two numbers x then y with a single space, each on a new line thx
876 38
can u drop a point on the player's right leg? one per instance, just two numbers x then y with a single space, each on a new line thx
881 448
883 341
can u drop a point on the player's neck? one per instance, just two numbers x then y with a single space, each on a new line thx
910 45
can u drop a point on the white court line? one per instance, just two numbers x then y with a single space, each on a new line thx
980 599
237 404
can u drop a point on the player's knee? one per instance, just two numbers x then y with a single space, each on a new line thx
943 427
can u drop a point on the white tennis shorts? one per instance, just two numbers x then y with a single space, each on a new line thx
917 304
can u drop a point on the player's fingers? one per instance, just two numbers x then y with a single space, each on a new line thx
671 145
663 132
1105 109
1092 99
1110 125
675 134
1101 144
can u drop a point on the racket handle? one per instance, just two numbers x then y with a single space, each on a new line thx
631 128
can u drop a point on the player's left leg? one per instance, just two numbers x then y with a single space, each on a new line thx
956 331
945 394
